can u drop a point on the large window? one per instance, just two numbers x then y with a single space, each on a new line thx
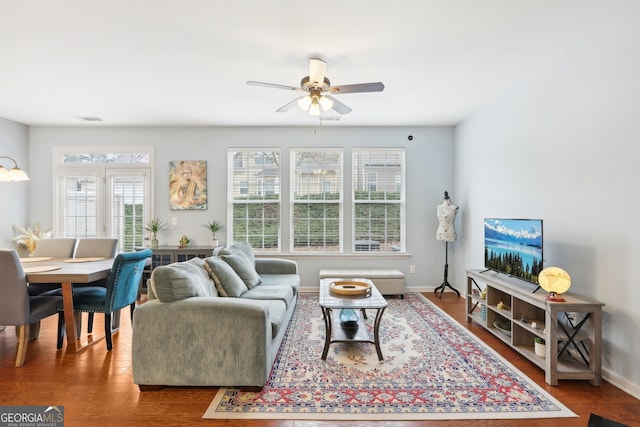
378 200
253 197
316 185
103 193
316 200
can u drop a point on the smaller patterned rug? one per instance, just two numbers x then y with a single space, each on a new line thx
433 369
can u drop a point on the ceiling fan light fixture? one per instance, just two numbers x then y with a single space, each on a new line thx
314 109
313 102
304 103
325 103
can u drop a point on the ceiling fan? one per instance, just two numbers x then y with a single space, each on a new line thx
319 90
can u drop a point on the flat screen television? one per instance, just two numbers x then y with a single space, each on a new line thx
514 247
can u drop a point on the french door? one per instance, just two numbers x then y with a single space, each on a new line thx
104 202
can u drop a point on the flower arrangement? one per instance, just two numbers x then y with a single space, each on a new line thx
28 237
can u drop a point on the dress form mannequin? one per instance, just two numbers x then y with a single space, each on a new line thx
446 212
446 215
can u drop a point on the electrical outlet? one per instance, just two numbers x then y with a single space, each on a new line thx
174 220
412 269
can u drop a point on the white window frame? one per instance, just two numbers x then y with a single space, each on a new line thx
242 186
296 188
360 178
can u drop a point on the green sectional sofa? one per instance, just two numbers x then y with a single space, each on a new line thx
217 321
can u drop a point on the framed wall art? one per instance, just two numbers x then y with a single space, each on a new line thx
188 184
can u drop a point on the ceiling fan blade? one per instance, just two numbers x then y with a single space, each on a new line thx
338 106
288 106
360 87
317 71
272 85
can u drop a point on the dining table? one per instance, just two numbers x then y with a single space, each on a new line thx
68 273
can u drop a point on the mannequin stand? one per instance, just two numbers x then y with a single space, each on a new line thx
445 282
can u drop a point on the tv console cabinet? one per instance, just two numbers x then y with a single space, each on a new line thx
572 330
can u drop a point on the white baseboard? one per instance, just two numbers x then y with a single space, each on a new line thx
622 383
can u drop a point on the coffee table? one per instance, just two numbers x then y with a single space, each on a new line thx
334 332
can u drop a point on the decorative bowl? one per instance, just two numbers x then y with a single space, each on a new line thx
503 326
350 288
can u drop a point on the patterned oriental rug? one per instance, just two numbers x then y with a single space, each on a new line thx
433 369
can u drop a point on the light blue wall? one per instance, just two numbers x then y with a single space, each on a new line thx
429 172
564 146
14 143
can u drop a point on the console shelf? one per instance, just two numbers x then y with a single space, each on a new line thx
572 330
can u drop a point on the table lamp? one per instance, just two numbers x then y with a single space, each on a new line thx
555 281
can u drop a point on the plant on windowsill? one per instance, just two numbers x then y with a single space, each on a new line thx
155 225
214 226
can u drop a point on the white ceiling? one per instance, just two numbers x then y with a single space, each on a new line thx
168 62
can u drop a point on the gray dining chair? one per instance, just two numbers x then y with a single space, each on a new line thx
121 291
17 307
62 248
105 248
57 248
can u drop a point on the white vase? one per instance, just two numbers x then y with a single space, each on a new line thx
215 243
154 243
539 349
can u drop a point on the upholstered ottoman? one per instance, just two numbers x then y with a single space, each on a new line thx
388 281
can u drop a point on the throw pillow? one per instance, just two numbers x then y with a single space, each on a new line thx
243 268
181 280
240 247
216 280
227 281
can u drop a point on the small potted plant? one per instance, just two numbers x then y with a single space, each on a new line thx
214 226
155 225
539 346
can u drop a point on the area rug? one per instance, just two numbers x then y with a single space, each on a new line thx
432 369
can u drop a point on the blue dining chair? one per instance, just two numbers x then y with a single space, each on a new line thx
106 248
17 307
121 291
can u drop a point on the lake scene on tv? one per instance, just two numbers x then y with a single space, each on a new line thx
514 247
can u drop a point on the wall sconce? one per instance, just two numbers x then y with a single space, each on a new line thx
15 174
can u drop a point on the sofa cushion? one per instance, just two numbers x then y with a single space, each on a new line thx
227 282
182 280
244 268
291 280
283 293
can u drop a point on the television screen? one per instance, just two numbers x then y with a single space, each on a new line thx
514 247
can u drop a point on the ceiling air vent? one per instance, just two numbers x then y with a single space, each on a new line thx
89 119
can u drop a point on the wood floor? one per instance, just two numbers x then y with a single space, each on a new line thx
96 388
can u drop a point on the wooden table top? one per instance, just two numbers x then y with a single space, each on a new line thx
79 272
